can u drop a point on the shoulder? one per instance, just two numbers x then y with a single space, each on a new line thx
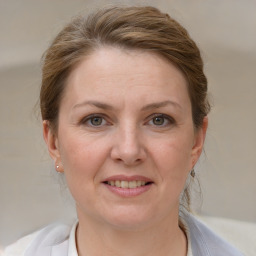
242 234
18 248
41 242
205 242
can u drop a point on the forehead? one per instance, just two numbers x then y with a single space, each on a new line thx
113 71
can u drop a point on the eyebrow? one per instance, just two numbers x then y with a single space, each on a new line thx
145 108
94 104
160 105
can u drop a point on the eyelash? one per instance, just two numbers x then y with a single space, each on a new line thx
85 120
169 119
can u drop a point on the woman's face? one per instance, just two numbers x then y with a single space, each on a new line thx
126 140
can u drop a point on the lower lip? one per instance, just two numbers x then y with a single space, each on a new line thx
128 192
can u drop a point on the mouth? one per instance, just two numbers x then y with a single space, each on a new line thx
127 184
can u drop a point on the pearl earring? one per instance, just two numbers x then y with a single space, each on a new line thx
57 168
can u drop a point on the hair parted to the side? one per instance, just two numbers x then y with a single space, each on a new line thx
138 28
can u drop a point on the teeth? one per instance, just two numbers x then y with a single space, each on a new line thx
117 183
126 184
132 184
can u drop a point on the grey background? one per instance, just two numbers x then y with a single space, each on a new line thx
31 194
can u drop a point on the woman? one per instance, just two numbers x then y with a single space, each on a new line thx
124 109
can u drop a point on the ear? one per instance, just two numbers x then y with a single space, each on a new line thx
52 143
199 142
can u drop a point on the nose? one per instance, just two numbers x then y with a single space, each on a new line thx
128 147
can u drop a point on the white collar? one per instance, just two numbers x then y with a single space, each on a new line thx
72 250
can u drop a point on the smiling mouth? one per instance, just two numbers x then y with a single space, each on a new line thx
127 184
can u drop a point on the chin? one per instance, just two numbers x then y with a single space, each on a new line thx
129 218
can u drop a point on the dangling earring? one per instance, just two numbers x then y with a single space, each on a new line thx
192 173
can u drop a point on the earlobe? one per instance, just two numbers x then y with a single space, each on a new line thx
199 141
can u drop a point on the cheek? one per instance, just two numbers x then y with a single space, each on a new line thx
82 157
173 152
173 159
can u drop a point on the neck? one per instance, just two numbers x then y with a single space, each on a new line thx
95 238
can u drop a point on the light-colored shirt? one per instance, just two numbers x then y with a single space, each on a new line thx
60 240
72 250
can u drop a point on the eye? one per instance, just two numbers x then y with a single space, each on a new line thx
94 121
161 120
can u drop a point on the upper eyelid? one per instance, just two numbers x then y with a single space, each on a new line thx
88 117
170 119
161 115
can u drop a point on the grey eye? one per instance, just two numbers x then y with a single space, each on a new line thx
158 120
96 121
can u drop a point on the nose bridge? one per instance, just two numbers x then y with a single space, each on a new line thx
129 137
129 146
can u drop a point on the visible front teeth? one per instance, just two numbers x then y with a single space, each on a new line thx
126 184
132 184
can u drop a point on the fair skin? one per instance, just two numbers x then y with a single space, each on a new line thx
141 132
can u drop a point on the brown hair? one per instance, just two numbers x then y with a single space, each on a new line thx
143 28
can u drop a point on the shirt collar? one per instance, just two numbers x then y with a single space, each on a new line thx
72 250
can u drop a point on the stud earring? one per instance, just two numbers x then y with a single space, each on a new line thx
192 173
58 168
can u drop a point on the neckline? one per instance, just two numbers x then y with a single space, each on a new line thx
72 248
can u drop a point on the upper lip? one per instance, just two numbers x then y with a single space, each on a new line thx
128 178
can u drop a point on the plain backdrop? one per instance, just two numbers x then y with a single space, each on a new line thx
31 194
